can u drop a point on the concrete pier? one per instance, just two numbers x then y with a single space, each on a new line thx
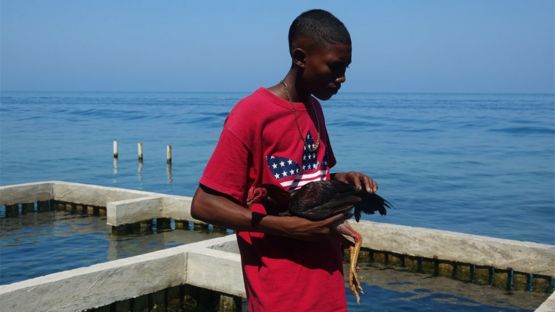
198 264
215 264
458 247
122 206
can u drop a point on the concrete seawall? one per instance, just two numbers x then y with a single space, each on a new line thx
197 264
215 264
123 206
465 248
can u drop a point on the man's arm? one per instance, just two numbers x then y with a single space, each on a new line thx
216 208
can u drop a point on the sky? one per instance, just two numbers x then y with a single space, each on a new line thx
472 46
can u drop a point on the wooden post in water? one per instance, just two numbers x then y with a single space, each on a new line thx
140 151
115 149
169 154
169 163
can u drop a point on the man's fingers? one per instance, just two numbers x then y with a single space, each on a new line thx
355 179
370 185
373 185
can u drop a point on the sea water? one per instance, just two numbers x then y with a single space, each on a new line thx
474 163
37 244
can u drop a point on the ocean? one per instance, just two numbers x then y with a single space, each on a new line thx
474 163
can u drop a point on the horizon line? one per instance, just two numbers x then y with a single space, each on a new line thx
248 92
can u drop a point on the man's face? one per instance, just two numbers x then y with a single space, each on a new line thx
325 68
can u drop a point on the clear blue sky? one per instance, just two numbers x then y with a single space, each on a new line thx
398 46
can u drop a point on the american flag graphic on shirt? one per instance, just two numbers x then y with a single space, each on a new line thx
291 175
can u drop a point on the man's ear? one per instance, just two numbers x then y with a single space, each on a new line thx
299 57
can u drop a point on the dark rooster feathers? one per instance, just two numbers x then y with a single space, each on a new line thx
323 199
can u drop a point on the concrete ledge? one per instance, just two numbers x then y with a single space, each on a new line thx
93 194
26 193
215 264
97 285
123 206
212 264
548 305
177 207
225 245
459 247
131 210
102 284
216 270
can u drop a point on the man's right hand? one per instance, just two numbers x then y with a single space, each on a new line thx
304 229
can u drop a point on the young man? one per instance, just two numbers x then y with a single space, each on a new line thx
278 136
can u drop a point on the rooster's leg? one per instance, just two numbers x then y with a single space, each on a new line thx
353 279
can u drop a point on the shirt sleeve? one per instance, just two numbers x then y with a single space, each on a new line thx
227 169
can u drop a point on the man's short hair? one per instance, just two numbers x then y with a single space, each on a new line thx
320 26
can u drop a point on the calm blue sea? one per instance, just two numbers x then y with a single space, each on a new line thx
474 163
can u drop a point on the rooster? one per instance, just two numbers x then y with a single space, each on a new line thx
323 199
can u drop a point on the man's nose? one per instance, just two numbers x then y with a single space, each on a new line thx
341 78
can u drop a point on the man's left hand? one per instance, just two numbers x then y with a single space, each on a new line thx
358 179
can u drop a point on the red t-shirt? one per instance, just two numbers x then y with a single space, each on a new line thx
261 143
